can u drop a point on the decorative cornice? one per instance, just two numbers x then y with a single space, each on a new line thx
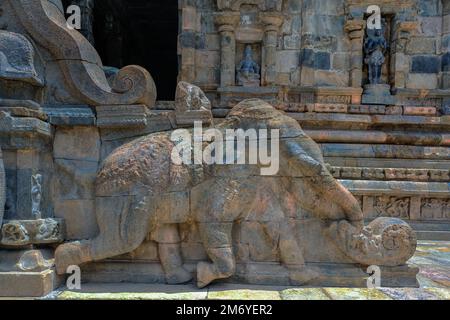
227 19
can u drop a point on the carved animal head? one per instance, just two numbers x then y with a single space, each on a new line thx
189 97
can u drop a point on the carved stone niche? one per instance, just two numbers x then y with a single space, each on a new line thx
251 24
402 20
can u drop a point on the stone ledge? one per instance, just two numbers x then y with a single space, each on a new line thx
356 121
385 151
17 125
249 90
70 115
269 274
392 174
401 188
121 116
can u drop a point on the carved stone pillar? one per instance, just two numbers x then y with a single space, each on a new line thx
446 45
399 62
227 22
272 22
355 30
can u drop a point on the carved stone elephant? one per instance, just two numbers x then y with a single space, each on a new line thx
141 191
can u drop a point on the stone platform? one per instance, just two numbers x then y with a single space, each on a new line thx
332 275
28 284
432 258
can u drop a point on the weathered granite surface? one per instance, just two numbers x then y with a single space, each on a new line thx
68 126
431 257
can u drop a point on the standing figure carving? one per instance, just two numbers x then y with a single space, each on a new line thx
375 48
36 196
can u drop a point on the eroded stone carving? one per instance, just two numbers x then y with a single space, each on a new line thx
191 104
36 196
48 229
384 242
14 233
248 71
33 261
190 98
18 233
140 191
17 58
392 207
435 209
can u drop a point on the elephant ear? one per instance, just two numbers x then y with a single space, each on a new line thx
299 159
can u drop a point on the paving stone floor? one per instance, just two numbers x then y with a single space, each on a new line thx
433 259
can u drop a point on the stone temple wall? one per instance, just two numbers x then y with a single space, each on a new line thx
393 154
314 43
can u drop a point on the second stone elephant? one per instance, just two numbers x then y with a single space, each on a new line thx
141 191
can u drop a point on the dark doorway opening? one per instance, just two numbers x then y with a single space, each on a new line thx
139 32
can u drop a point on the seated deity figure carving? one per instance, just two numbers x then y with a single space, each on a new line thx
248 71
141 191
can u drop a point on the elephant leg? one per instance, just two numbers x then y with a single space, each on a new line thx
292 257
72 254
122 229
217 240
169 250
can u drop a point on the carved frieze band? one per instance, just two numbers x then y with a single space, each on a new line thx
409 208
392 174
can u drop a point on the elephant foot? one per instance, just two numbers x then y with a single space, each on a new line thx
178 276
302 276
205 274
70 254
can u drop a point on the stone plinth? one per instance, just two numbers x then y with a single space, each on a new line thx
332 275
27 273
378 94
